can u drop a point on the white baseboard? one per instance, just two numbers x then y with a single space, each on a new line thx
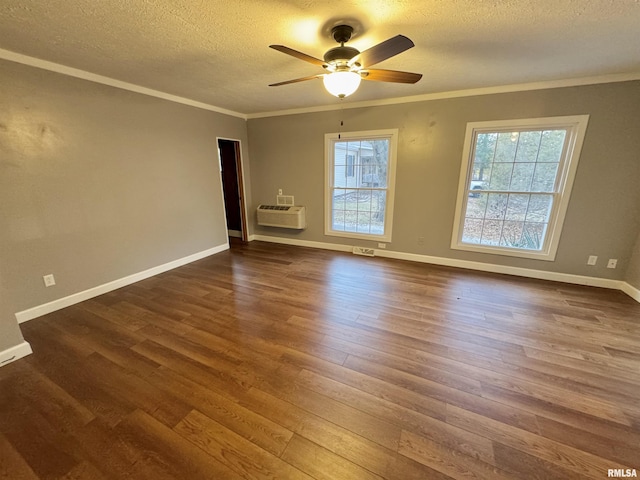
504 269
235 233
630 290
484 267
303 243
15 353
60 303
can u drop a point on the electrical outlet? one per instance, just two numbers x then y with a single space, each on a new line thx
420 240
613 263
279 191
593 259
382 245
49 280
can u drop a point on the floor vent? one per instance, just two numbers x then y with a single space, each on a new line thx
367 252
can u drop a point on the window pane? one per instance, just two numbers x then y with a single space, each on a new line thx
533 235
339 195
491 232
551 145
512 234
472 232
528 145
539 208
522 177
337 221
341 150
544 177
496 206
477 206
501 176
517 207
339 178
350 220
483 157
378 208
506 147
349 170
364 222
375 162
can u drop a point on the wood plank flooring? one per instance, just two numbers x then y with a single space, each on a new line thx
270 361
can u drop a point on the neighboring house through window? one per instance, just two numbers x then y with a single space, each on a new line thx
349 170
359 182
515 183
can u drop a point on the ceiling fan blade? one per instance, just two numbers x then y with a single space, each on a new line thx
297 54
296 80
382 51
390 76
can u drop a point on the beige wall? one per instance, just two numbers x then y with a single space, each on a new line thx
604 212
98 183
633 271
10 334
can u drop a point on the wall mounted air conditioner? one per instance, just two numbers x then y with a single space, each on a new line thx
282 216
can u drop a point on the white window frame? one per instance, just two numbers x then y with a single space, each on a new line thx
576 126
330 140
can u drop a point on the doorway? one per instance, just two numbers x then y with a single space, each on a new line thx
233 188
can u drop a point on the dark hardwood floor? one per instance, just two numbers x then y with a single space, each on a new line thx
269 361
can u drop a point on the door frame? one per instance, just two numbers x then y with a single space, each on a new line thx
241 185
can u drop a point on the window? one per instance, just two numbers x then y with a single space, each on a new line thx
515 183
359 181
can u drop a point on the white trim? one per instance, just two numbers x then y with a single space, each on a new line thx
467 264
338 247
630 290
78 297
112 82
15 353
576 127
504 269
329 164
472 92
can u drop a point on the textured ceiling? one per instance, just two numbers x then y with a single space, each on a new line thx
216 52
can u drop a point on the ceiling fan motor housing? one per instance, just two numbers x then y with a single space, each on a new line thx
339 56
340 53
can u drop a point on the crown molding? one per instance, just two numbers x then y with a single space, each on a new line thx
112 82
520 87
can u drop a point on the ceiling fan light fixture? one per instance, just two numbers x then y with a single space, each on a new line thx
341 84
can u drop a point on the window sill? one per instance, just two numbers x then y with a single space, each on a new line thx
359 236
530 254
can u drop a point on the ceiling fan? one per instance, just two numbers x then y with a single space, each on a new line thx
346 66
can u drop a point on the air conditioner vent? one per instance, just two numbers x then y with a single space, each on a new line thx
273 207
282 216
